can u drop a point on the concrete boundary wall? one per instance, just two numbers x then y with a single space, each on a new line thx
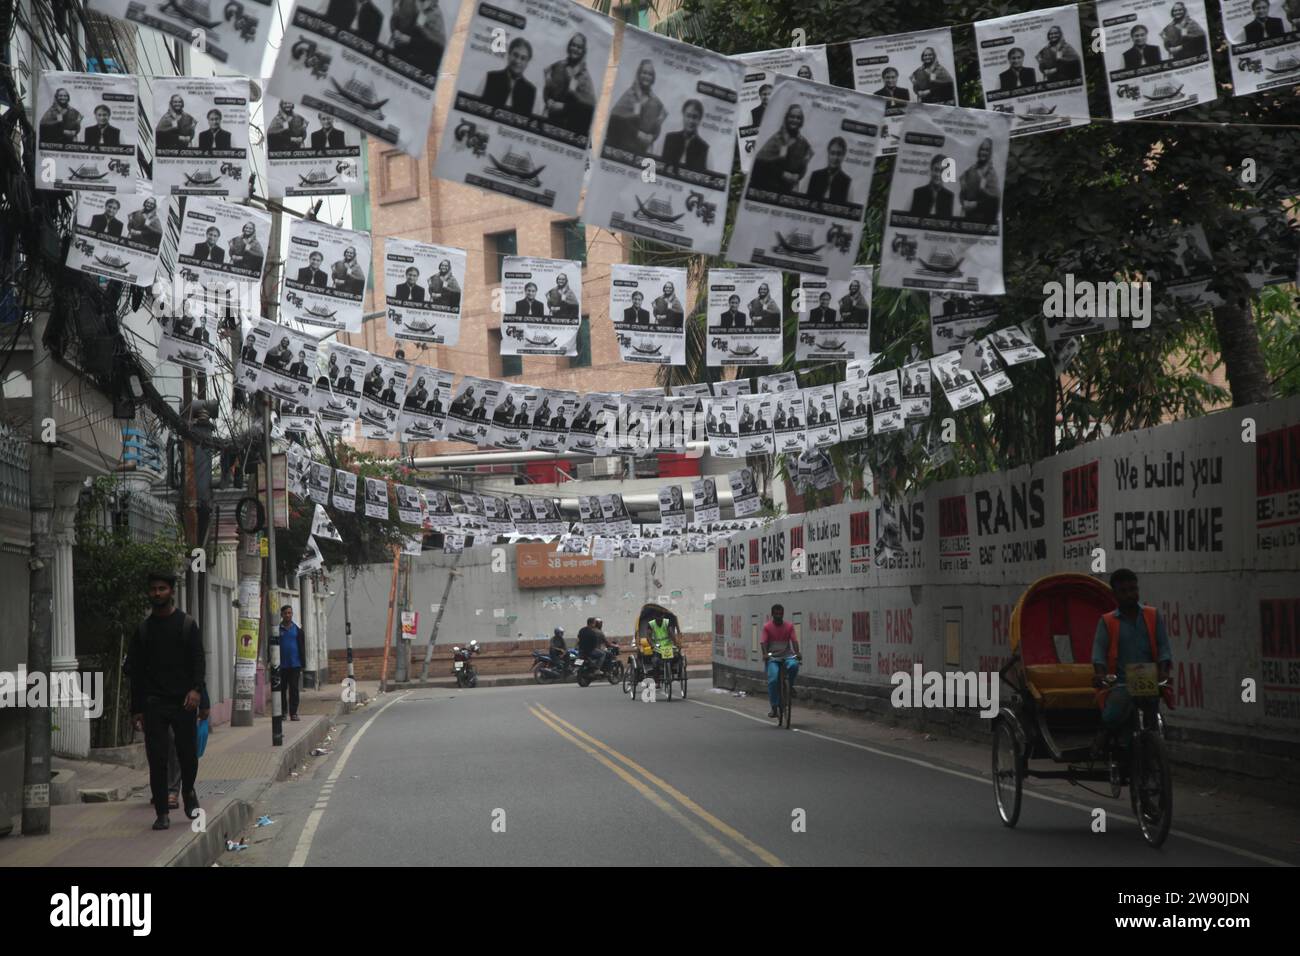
1209 519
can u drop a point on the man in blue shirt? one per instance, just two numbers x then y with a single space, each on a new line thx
292 653
1124 637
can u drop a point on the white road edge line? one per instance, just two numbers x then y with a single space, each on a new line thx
1248 854
313 820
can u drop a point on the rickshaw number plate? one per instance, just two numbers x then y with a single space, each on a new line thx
459 665
1142 680
578 662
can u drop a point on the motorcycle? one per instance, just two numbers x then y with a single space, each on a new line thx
549 668
462 664
611 669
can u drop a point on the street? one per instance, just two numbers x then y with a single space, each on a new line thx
560 775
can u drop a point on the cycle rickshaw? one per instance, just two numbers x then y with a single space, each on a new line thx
664 663
1053 714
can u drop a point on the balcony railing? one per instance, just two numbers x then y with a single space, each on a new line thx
14 469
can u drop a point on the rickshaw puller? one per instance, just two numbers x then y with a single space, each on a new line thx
1124 637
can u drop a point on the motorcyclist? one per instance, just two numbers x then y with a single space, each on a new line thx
591 644
558 649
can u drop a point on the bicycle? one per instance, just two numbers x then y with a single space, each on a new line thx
785 695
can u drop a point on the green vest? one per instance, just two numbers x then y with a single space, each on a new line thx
659 630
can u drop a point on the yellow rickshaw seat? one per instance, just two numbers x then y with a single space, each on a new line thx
1062 686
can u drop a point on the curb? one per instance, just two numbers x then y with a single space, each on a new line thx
206 848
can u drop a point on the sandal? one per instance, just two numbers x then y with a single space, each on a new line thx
173 801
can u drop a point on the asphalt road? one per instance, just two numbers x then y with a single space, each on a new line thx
563 775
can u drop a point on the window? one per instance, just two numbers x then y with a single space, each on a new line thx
636 14
570 241
399 178
496 246
583 358
512 365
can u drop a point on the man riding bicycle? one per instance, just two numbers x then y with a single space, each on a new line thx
779 644
664 634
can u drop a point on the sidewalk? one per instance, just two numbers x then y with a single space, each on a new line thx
240 763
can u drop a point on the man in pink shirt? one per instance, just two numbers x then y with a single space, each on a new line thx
780 642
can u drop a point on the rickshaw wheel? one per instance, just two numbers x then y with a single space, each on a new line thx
1008 773
628 682
1151 789
668 678
683 675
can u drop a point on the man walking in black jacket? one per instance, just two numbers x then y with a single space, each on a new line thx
167 676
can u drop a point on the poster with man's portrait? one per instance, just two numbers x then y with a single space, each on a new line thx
745 317
789 423
383 390
512 419
542 299
647 307
410 504
959 385
754 425
822 411
697 392
615 515
287 358
1157 55
835 320
1263 43
672 507
469 417
989 367
943 227
761 70
424 408
722 418
1031 66
318 482
325 275
526 91
423 289
705 506
310 153
235 35
114 238
337 395
744 492
86 132
916 388
376 498
1016 345
372 64
733 388
593 424
905 68
192 343
322 526
955 319
886 409
344 496
674 114
221 253
201 136
853 408
805 197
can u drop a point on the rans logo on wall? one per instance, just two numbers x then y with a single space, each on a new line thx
767 558
1080 511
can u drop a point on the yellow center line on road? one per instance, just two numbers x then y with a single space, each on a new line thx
699 832
727 830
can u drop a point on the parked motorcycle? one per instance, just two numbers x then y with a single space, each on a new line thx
611 669
462 664
551 668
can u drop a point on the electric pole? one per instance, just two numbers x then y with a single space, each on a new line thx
271 308
36 767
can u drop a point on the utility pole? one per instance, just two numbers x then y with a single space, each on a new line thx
452 574
40 637
271 308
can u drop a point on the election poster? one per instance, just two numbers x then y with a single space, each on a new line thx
542 299
325 275
761 69
423 285
835 317
201 139
1157 56
1031 67
86 132
309 153
905 68
234 33
744 317
646 307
